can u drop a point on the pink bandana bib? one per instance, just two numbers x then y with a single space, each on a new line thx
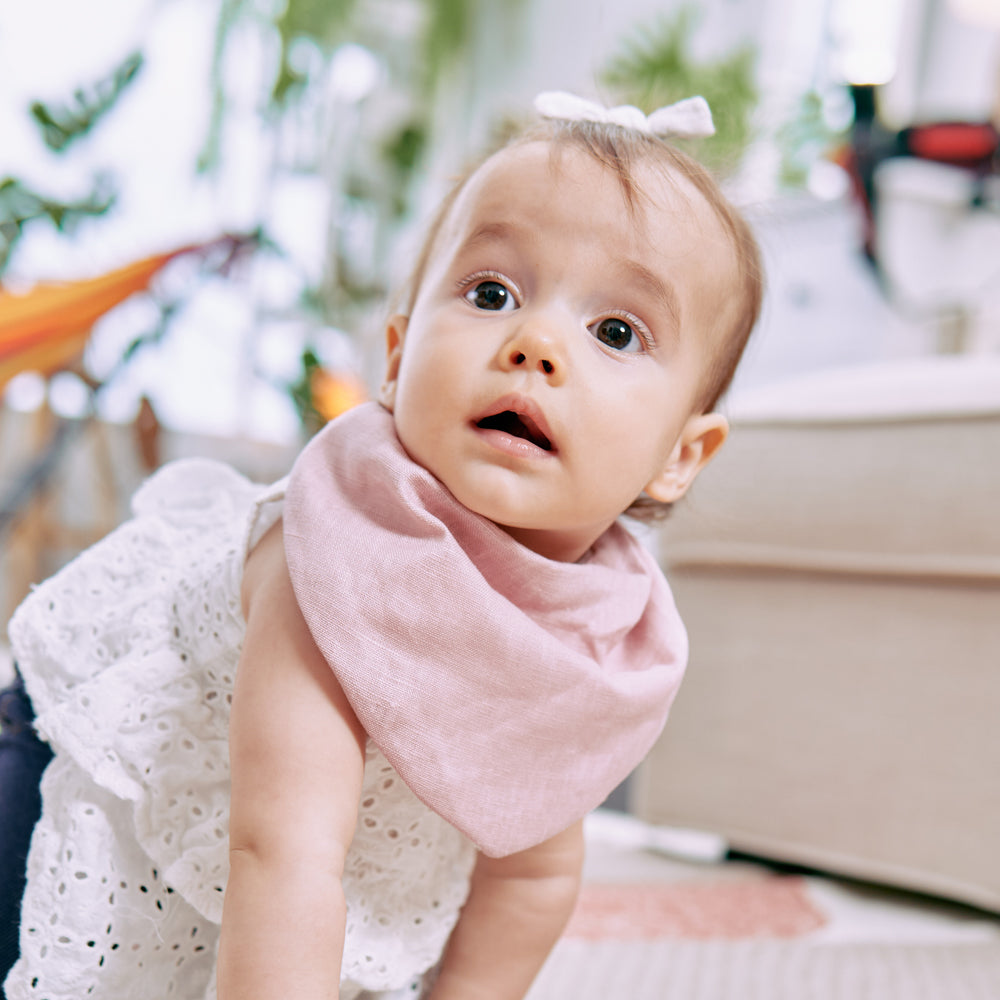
511 692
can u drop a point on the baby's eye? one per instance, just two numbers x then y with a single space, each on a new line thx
491 295
617 334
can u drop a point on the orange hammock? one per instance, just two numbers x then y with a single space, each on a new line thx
47 328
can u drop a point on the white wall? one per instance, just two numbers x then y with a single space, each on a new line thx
949 65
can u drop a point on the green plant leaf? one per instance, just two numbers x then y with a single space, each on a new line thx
62 124
21 205
322 21
655 67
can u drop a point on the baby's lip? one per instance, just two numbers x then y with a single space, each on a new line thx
519 416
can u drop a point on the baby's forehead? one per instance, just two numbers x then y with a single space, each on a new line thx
534 193
521 180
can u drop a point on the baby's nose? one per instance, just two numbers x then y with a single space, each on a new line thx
539 344
543 364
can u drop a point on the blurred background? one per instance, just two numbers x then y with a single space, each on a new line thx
205 204
205 209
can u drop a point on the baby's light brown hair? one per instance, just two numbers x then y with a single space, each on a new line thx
622 150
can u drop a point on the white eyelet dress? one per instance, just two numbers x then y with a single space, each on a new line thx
129 655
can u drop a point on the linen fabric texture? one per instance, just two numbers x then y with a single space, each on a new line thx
511 692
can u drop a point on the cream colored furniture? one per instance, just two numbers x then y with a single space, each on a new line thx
838 568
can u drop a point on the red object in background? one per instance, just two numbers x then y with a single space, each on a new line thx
964 144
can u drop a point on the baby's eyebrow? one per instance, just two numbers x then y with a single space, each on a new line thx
652 284
496 232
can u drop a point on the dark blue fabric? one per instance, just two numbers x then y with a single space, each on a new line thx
23 757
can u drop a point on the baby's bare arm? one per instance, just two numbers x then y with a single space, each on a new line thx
297 757
517 908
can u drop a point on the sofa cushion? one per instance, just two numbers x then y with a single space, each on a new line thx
890 468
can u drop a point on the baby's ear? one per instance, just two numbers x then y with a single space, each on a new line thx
395 332
703 435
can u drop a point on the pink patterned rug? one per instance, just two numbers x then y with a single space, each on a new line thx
760 937
776 907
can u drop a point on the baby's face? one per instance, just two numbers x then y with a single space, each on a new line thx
550 368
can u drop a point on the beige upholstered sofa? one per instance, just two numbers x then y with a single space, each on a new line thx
839 570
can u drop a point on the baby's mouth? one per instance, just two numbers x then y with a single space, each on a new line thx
518 425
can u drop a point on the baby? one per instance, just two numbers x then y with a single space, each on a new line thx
440 646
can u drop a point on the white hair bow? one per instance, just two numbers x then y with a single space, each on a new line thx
689 118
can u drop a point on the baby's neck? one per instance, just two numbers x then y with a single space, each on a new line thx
560 546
